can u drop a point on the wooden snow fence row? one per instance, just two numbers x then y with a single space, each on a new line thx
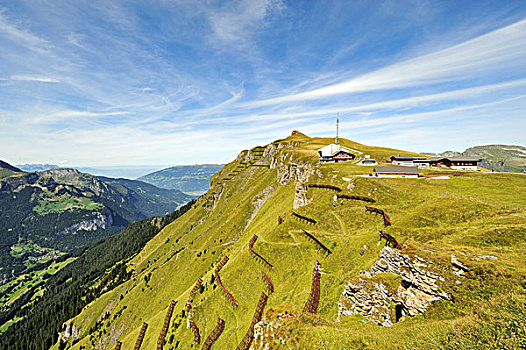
195 329
387 220
256 255
320 246
140 338
192 293
390 240
164 330
270 285
214 335
358 198
197 284
221 264
218 278
258 314
314 298
304 218
329 187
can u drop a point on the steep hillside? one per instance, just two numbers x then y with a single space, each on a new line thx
61 292
7 169
46 214
191 179
506 158
148 199
451 275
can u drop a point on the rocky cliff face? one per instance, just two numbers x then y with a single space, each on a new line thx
57 180
300 197
69 332
99 221
372 299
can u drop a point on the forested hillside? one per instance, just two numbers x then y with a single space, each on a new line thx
150 200
191 179
47 214
94 269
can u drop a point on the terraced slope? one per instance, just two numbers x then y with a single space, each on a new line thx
457 282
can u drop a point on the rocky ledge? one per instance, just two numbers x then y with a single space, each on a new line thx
99 221
372 299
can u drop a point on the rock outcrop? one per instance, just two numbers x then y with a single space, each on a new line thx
418 288
268 332
369 299
300 197
70 332
100 221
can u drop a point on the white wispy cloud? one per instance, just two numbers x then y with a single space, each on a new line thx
23 37
237 21
299 110
76 39
38 79
501 49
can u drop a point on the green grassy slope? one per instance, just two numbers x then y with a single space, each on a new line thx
480 218
149 199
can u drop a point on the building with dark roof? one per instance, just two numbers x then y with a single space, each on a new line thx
458 163
396 171
406 160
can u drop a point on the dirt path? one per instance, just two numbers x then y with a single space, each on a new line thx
296 243
341 223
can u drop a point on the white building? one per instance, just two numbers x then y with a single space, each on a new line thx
335 153
409 161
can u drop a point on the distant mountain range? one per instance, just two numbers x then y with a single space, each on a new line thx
191 179
505 158
124 171
45 214
33 168
147 198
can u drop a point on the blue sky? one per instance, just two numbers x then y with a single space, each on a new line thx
181 82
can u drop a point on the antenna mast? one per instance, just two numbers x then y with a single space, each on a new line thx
337 127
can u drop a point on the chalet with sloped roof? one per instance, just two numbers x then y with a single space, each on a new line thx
335 153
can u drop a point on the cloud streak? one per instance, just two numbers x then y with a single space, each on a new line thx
498 50
33 78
